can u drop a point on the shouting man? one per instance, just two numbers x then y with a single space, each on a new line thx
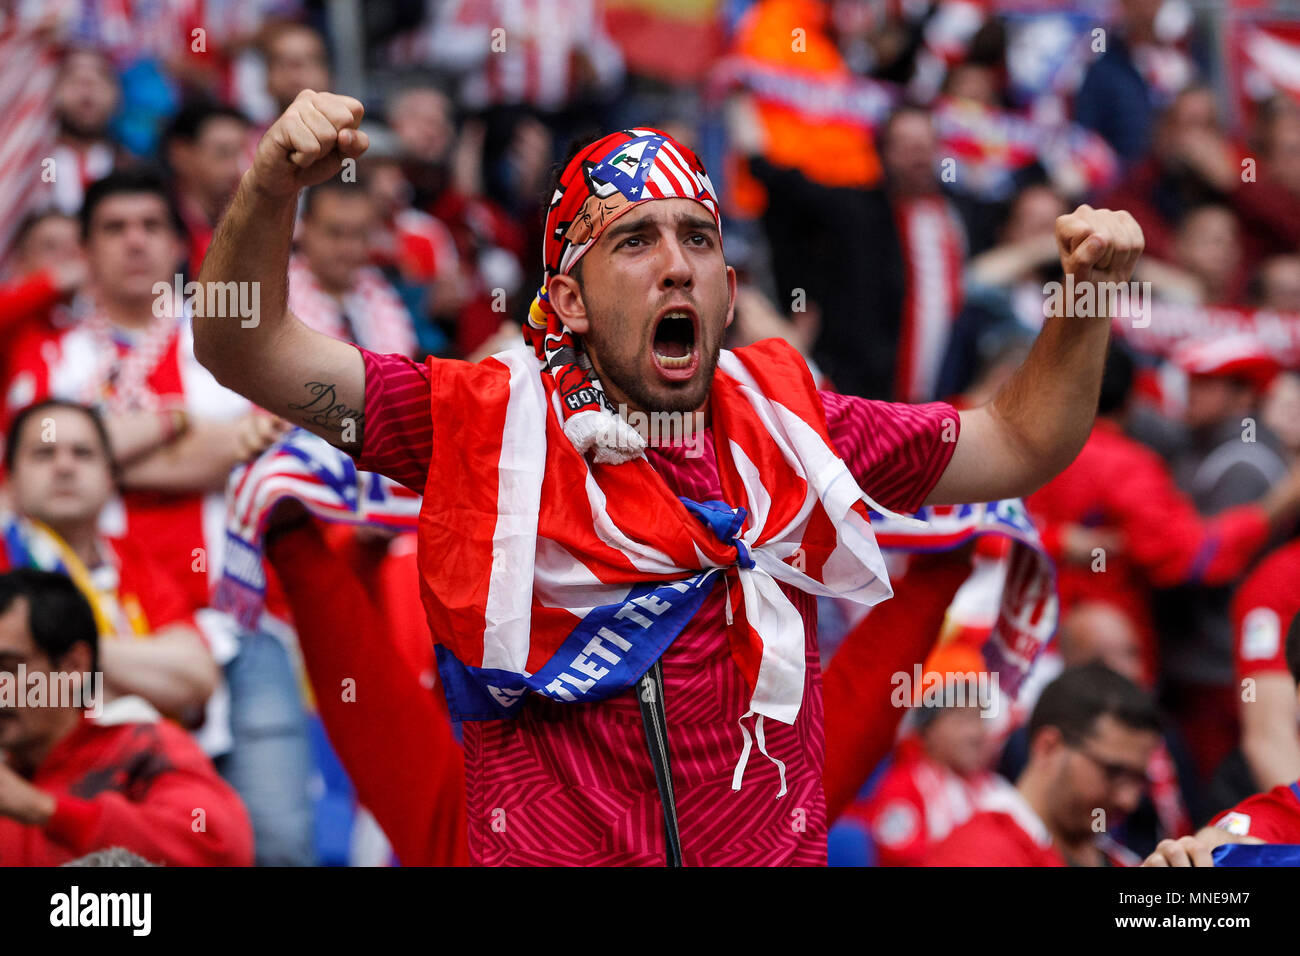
618 621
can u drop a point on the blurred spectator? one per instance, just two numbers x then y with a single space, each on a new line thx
1269 817
1263 611
932 243
206 147
1098 632
176 434
332 285
547 54
85 99
811 177
1230 458
1131 80
939 776
1091 737
1192 163
73 783
1207 244
296 60
445 172
1098 516
49 270
413 249
1277 284
1004 285
60 480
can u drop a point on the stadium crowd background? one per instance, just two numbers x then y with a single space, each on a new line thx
891 172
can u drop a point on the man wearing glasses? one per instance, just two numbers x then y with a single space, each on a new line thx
1091 738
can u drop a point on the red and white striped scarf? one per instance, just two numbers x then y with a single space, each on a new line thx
543 572
933 245
380 320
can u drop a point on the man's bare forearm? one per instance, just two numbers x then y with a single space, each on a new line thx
1047 407
275 360
252 245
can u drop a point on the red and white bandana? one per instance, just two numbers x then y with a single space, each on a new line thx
602 182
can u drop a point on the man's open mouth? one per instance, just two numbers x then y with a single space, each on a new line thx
675 346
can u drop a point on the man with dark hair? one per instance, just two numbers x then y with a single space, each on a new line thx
332 285
559 512
1091 737
1097 519
1269 817
206 145
61 477
75 778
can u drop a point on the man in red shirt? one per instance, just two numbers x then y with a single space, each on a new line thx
1269 817
1091 738
1119 485
637 276
1263 610
940 774
71 783
61 478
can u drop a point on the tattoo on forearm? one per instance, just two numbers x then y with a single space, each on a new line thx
324 410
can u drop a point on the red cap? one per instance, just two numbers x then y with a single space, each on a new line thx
1240 356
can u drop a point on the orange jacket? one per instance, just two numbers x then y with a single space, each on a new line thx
791 35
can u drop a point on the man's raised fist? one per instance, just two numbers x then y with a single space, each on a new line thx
309 142
1099 245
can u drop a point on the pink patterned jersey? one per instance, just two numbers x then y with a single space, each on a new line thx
573 783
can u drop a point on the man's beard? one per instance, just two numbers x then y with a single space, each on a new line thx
622 372
75 129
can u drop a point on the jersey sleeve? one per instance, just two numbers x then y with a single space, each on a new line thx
1273 816
1262 611
895 451
397 440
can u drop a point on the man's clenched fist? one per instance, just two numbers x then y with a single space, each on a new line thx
308 144
1099 245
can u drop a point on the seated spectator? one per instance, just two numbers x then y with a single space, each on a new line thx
1098 632
73 782
333 287
60 479
1091 737
177 434
940 773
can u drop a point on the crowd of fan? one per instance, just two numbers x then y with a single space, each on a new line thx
903 269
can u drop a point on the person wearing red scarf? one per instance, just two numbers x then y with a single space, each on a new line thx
637 296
